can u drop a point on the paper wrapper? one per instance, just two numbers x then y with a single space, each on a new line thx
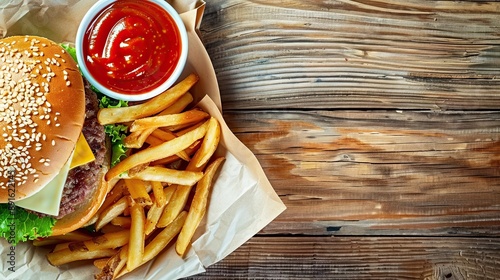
242 201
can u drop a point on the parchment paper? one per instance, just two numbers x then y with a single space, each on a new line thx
242 201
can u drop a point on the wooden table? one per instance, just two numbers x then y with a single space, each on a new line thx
377 123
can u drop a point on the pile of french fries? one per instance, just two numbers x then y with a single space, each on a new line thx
151 201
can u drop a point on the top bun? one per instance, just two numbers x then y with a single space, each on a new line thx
42 110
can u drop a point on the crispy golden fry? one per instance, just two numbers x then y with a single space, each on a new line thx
66 256
138 191
198 207
136 139
158 192
157 152
159 136
208 146
164 135
189 151
100 263
167 175
197 163
61 246
109 240
179 105
123 222
160 241
155 211
118 191
151 107
114 265
153 141
185 130
137 236
188 117
109 228
111 212
175 206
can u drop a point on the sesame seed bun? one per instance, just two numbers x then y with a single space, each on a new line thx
42 111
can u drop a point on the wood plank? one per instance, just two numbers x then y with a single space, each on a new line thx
355 54
360 258
379 172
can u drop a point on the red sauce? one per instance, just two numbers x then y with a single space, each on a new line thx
132 46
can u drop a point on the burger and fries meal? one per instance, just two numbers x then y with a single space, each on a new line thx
100 180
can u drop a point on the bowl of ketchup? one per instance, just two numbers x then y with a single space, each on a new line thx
131 49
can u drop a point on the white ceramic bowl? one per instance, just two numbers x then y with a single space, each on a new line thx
84 25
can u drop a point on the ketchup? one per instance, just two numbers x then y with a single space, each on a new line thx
132 46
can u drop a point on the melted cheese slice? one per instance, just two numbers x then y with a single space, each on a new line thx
83 154
48 199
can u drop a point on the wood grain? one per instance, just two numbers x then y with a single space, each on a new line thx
361 258
374 172
377 122
355 54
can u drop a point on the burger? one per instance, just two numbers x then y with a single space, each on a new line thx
53 151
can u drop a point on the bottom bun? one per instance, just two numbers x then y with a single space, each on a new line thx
85 211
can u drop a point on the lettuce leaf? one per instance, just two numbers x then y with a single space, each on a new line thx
18 225
71 50
116 132
108 102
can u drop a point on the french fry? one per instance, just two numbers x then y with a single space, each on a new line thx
160 241
61 246
209 144
109 228
114 265
197 163
100 263
106 241
188 117
153 141
157 152
66 256
137 138
137 236
164 136
138 191
118 191
198 207
189 151
123 222
179 105
151 107
158 192
167 175
65 245
155 211
111 212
